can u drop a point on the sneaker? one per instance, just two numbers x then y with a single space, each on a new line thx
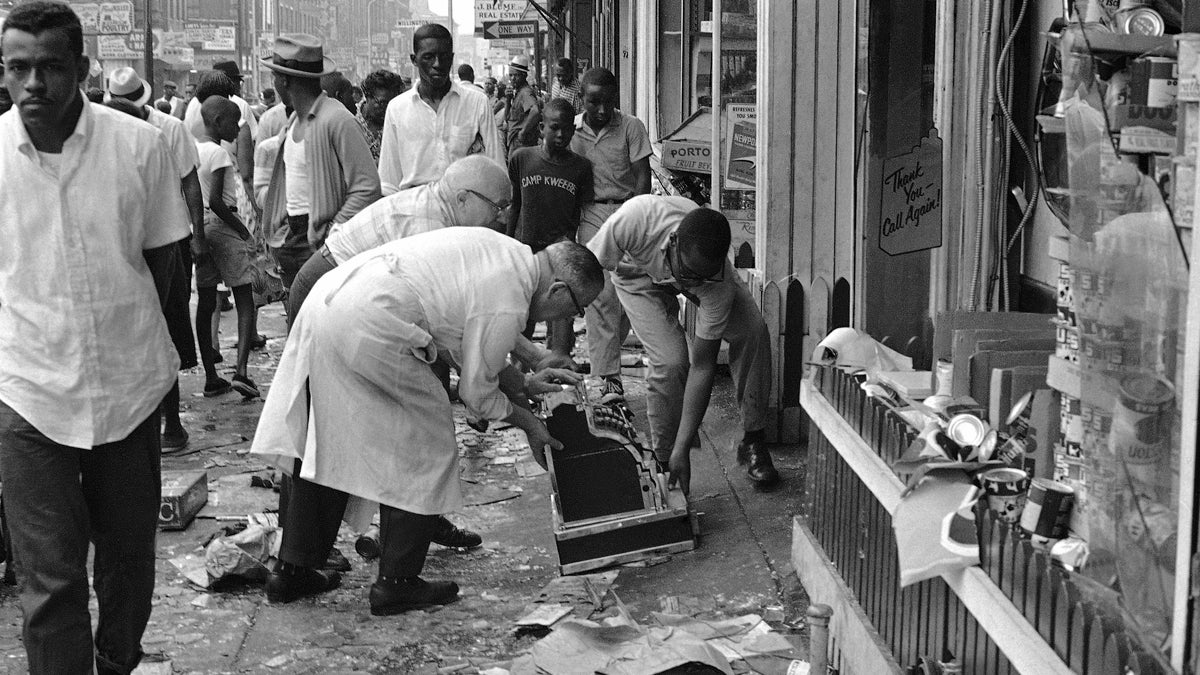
216 387
395 596
451 536
613 392
174 441
245 386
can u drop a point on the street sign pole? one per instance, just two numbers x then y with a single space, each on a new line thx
148 53
537 58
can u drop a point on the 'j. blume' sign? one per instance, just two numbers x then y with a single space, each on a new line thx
911 199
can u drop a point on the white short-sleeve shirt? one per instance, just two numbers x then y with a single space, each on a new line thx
84 352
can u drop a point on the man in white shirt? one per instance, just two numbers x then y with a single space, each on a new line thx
125 83
381 429
92 199
658 248
170 97
436 122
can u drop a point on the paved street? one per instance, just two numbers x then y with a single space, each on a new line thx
741 565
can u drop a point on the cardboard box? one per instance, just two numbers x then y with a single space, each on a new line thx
184 493
1147 140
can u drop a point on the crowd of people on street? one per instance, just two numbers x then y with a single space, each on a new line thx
417 229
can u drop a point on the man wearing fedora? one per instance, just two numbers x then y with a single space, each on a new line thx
124 83
324 172
437 122
524 114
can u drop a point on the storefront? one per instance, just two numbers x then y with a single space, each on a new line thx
901 180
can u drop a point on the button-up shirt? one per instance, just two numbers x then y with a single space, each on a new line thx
181 143
570 92
637 237
374 138
84 352
420 142
394 217
613 152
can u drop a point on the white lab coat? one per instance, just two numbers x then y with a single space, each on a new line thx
356 365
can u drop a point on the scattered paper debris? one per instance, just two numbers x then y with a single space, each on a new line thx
545 615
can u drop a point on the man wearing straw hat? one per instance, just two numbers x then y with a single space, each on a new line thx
324 172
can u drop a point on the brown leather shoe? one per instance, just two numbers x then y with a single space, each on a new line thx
760 469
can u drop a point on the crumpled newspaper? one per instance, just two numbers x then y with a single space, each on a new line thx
243 554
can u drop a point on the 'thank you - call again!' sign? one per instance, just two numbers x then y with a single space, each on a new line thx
910 201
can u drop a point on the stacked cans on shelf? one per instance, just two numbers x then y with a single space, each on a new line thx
1067 328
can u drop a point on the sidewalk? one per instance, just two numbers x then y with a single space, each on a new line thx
741 565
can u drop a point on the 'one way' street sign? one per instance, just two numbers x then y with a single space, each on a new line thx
501 30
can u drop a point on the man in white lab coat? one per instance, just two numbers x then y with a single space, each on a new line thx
355 408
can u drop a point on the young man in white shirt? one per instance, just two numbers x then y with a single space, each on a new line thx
92 198
658 248
436 122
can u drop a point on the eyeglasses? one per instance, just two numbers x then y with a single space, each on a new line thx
500 208
574 300
682 274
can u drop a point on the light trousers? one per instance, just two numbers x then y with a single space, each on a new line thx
653 309
607 324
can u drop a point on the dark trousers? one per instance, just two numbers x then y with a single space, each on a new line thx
59 498
314 514
294 252
302 283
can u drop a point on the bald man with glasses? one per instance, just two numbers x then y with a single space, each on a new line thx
657 249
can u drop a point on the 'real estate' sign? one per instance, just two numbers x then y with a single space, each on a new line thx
910 201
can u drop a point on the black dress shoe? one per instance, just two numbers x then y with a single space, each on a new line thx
451 536
336 562
394 596
289 582
760 469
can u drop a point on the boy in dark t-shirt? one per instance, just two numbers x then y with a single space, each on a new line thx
551 184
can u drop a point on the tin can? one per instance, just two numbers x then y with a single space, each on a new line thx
966 430
1047 509
367 544
1141 421
1006 493
1141 21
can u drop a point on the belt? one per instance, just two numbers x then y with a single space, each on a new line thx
327 255
609 201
